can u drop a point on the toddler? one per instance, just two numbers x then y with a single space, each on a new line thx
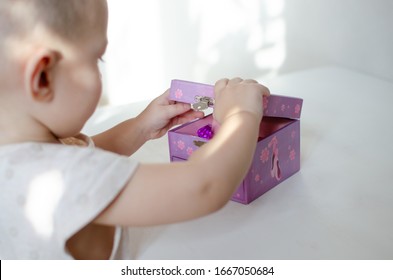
67 196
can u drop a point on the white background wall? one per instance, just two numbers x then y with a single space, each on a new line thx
154 41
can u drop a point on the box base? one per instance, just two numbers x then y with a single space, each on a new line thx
277 155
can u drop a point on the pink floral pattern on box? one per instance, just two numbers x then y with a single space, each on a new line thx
178 94
273 105
277 156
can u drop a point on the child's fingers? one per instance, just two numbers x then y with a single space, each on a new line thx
185 118
163 99
265 90
235 81
250 81
220 85
176 109
190 115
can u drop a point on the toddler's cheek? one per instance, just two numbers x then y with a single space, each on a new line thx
87 79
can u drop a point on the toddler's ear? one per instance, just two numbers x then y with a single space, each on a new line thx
39 75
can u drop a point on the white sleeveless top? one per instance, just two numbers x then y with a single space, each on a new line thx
48 192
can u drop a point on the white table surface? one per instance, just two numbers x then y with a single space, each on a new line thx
339 206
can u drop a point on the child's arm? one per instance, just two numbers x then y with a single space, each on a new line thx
167 193
161 114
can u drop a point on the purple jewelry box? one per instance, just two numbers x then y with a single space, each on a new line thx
277 154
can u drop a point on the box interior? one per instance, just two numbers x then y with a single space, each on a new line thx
269 125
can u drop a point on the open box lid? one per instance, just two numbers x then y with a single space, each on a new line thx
201 96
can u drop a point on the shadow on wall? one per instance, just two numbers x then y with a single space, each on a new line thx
262 38
348 33
207 40
154 41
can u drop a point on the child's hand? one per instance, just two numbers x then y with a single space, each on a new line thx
238 95
162 114
193 195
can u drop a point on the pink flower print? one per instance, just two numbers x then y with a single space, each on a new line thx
297 109
292 154
257 178
189 151
180 145
282 108
264 155
178 94
273 142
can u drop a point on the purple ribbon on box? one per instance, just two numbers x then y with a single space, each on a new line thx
206 132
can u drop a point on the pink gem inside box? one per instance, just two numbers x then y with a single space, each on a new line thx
277 156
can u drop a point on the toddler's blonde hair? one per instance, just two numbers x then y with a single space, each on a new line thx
66 18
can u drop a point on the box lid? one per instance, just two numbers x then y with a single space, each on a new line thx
201 96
